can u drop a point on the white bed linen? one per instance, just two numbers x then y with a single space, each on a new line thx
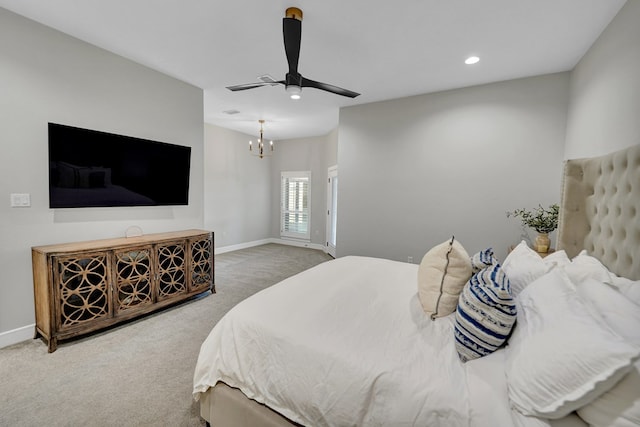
571 420
347 343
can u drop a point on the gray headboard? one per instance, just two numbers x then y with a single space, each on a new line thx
600 210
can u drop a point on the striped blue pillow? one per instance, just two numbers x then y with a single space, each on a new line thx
485 315
483 259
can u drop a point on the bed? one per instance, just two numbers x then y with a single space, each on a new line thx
351 342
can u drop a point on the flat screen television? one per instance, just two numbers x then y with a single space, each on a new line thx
89 168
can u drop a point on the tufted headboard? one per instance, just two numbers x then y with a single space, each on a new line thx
600 210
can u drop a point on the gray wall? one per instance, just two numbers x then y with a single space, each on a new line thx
604 112
242 192
46 76
332 148
237 188
305 154
417 170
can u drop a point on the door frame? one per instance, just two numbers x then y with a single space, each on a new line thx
332 211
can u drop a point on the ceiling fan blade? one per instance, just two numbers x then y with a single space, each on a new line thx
252 85
292 33
329 88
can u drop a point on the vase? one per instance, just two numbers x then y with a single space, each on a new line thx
542 243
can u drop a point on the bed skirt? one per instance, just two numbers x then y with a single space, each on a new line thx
224 406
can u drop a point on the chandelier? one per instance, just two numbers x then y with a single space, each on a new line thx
260 149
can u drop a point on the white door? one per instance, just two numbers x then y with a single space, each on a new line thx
332 210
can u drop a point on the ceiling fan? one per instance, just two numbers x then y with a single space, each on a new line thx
294 81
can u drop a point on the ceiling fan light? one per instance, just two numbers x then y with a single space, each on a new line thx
294 91
471 60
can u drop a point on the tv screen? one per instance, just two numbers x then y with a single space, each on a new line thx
88 168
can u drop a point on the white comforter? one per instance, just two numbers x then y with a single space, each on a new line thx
346 343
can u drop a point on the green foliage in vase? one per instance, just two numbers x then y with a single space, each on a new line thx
540 219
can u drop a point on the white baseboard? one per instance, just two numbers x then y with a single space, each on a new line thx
239 246
16 335
246 245
299 244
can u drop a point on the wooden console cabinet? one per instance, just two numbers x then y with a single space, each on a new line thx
86 286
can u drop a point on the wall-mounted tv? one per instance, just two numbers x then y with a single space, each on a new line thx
89 168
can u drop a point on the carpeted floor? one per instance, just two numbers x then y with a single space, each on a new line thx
140 373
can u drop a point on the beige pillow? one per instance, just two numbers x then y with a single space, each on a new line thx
441 276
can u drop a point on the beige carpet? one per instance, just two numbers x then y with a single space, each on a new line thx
140 373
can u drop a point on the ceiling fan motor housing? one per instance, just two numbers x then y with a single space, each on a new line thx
293 12
293 79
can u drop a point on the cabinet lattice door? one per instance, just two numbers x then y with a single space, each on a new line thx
201 263
83 290
133 278
172 278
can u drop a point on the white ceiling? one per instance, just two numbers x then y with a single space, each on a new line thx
381 49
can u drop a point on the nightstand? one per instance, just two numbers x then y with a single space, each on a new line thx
542 254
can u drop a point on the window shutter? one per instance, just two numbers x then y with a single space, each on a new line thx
294 206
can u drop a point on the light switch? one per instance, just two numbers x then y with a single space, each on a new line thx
20 200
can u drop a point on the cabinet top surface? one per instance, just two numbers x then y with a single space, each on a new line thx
120 241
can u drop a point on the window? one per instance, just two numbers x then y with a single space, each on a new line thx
294 205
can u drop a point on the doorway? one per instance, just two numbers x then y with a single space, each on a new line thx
332 210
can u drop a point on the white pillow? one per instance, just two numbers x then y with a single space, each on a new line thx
560 357
583 267
629 288
557 259
522 266
611 307
620 406
441 276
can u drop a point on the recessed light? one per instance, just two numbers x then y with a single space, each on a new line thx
471 60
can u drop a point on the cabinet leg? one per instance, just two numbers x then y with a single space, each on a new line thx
53 344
